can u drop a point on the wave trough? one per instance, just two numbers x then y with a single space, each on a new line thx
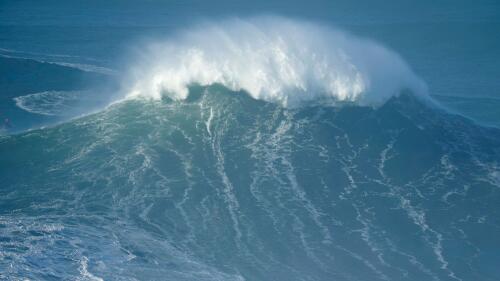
273 59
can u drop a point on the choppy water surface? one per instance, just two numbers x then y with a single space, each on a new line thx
223 187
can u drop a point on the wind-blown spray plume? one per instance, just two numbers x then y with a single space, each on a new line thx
274 59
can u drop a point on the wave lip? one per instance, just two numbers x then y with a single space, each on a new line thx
273 59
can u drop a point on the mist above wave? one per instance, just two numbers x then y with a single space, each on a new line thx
273 59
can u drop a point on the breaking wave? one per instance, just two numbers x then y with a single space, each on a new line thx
225 187
273 59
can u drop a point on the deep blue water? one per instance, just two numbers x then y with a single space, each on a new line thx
238 140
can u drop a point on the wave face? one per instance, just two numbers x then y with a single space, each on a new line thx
273 59
225 187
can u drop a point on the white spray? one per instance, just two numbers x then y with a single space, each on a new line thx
273 59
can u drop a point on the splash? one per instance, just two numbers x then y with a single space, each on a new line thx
273 59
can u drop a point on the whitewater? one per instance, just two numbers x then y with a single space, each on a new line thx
273 59
265 148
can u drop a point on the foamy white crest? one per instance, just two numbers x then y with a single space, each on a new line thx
273 59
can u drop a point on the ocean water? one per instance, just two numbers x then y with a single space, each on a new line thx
231 140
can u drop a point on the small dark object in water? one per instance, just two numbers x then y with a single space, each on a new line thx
7 124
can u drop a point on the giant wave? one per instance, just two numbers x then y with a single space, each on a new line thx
237 181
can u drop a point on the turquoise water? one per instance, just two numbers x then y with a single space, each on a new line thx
337 141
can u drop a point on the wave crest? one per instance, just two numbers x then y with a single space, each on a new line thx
273 59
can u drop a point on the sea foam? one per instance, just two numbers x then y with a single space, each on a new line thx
273 59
